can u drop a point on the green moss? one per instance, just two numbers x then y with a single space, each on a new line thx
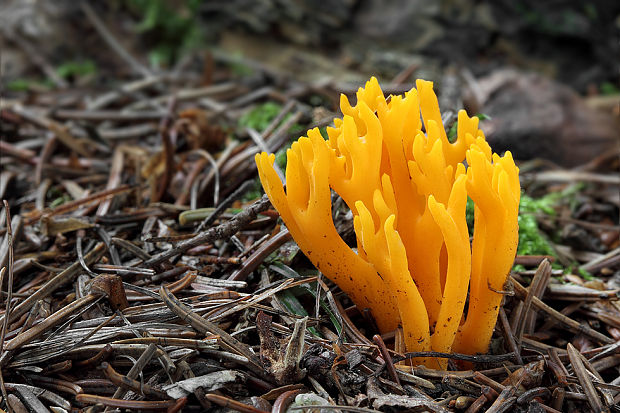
261 116
172 27
238 67
544 204
281 157
19 85
452 132
608 88
23 85
324 133
531 240
76 69
585 274
253 193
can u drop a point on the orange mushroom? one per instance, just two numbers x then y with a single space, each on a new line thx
306 210
494 187
407 191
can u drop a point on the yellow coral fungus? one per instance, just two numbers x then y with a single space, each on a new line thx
407 190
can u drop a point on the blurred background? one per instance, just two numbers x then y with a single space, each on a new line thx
545 74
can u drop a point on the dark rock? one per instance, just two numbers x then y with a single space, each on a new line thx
535 117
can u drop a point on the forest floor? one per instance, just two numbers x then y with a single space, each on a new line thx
143 269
